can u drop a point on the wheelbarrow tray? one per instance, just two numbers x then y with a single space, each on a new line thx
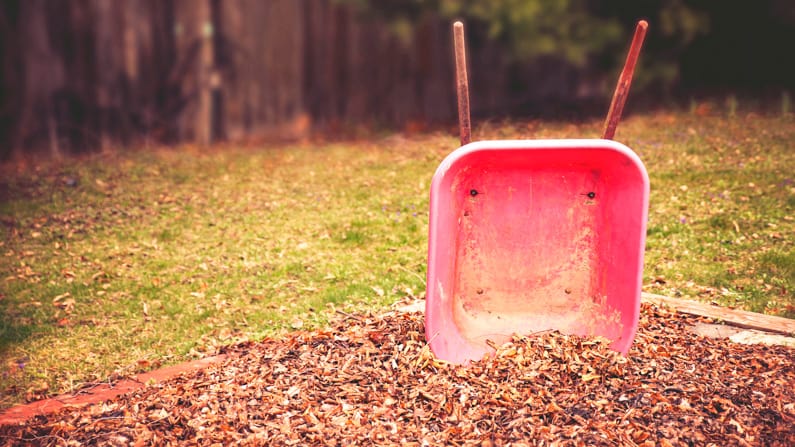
534 235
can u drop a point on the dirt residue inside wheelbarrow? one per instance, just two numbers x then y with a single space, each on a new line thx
527 256
373 380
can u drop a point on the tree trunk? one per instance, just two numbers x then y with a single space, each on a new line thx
204 73
193 27
109 61
43 74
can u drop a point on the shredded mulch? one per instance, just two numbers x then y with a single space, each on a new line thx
372 380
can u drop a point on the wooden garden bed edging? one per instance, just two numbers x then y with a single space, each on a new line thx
734 317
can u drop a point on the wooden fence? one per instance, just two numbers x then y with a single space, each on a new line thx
81 75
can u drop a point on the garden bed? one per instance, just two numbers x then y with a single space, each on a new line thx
372 379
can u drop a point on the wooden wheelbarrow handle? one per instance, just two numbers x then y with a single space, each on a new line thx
462 83
624 81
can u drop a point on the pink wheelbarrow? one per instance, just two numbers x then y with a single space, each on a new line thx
534 235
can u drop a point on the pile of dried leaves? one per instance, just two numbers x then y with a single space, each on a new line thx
372 380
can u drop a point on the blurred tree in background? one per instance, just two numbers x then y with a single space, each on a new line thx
589 34
693 44
567 28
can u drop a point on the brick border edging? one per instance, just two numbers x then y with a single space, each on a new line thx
23 412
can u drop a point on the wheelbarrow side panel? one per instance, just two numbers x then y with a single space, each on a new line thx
527 236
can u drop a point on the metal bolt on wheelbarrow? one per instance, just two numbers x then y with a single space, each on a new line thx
533 235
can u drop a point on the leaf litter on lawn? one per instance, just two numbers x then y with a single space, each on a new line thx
372 379
168 253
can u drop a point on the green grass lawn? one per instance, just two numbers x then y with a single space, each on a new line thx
157 256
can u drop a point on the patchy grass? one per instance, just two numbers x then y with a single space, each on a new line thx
119 263
722 217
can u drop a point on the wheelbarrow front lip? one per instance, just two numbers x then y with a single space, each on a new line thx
543 144
437 318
